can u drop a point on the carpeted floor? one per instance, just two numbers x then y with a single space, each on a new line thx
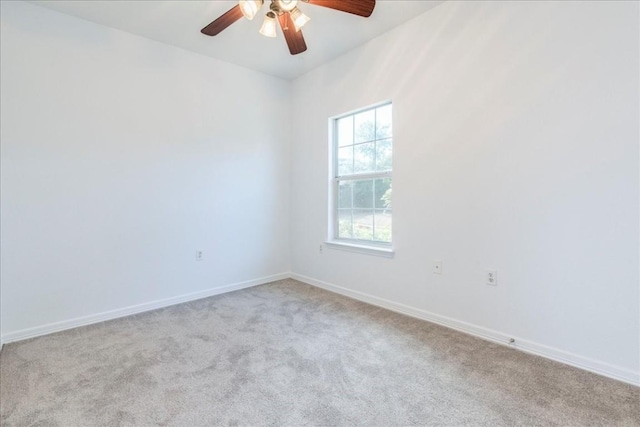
288 354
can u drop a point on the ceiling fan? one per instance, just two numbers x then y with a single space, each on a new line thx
288 14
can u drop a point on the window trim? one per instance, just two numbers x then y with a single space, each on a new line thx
367 249
370 247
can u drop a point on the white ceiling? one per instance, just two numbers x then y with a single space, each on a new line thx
329 33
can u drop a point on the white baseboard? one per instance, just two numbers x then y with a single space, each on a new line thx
595 366
134 309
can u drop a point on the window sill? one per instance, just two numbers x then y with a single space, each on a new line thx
386 252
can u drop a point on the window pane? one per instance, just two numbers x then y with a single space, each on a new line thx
363 145
363 194
383 122
382 226
345 131
384 157
363 224
345 160
364 156
345 198
345 225
365 126
383 193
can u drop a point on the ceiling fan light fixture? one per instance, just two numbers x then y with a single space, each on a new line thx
286 5
269 25
250 8
298 18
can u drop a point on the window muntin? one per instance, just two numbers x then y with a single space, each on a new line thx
363 157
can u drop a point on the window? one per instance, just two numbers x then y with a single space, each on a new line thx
362 166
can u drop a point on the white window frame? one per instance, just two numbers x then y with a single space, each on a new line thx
369 247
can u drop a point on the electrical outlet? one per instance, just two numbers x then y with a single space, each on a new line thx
321 248
437 267
199 255
491 277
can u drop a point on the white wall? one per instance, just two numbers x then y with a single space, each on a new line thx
516 148
122 156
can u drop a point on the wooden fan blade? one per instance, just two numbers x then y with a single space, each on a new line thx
356 7
294 38
229 17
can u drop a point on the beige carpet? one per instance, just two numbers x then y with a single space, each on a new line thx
288 354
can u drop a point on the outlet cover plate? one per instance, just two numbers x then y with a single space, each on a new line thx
437 267
491 277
